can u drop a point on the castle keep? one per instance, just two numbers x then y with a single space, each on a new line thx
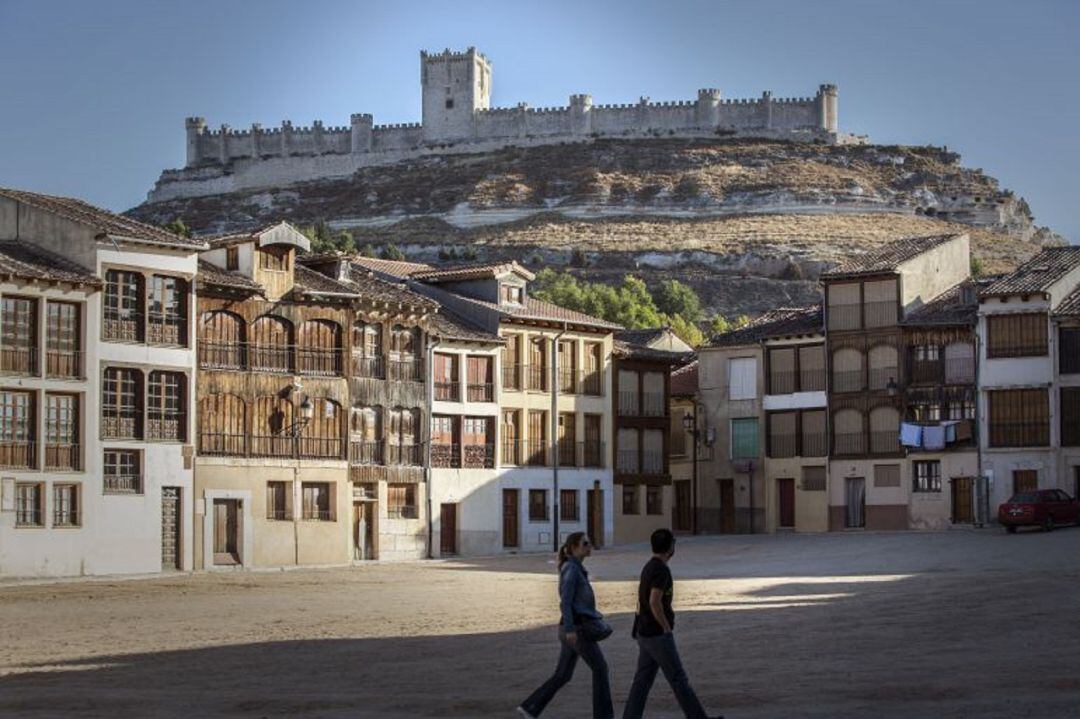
458 117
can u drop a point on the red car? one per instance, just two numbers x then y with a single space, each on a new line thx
1045 508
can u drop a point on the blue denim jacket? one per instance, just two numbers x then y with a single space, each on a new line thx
576 598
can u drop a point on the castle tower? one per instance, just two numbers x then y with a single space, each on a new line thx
454 85
195 127
827 108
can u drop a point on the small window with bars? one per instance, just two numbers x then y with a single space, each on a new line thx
538 506
318 505
66 505
927 476
29 504
1016 335
122 471
165 414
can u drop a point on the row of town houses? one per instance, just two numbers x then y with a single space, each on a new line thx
239 402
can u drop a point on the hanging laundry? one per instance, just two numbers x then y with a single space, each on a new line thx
933 437
911 435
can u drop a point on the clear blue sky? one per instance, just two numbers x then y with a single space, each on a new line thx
93 95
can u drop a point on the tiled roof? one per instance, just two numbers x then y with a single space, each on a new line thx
29 262
235 238
309 282
948 308
371 287
471 271
449 325
684 381
211 276
535 309
781 322
640 337
1070 306
1038 273
397 268
887 257
648 354
104 223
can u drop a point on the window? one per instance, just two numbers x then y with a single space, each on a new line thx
365 435
121 406
813 479
511 363
849 432
782 376
17 430
538 507
222 425
678 433
232 258
629 398
317 502
1019 418
568 365
1069 350
271 338
813 433
847 370
404 426
165 415
629 444
652 451
168 300
844 309
925 353
122 472
123 307
538 364
278 499
405 354
880 303
884 366
1070 416
653 399
447 388
322 437
593 449
367 350
63 357
927 477
537 454
812 368
782 434
886 475
593 381
568 505
61 431
274 259
654 499
744 438
742 378
630 499
18 335
884 430
1019 335
511 294
401 501
478 437
445 447
962 409
29 501
449 103
66 505
318 348
479 372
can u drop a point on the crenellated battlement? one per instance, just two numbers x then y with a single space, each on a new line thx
457 116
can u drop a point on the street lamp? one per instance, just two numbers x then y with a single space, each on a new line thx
690 425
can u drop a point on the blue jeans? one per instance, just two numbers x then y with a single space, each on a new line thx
660 653
564 670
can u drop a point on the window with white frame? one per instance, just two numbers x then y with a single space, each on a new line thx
742 378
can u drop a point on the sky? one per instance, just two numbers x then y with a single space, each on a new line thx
93 95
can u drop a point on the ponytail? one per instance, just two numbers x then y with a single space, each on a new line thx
572 540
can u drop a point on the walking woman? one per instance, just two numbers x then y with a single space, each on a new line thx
580 629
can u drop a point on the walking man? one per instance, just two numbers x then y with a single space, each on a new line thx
653 629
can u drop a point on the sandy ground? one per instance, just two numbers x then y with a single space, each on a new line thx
959 624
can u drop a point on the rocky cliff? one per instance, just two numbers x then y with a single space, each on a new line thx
749 223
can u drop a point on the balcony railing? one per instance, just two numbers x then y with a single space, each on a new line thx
222 355
18 360
270 358
628 404
653 405
652 462
812 380
960 370
782 445
845 316
568 380
122 326
62 456
122 427
448 391
814 445
881 314
849 443
782 381
370 367
408 455
223 444
536 378
567 454
481 392
64 364
627 461
296 447
511 376
406 370
885 442
479 456
649 462
165 428
1019 434
166 329
318 361
445 455
523 452
848 380
321 447
880 377
926 372
365 452
17 454
123 484
592 383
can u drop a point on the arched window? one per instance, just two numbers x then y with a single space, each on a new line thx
405 353
960 363
847 370
222 425
884 430
367 349
318 348
849 434
271 339
221 340
365 435
403 436
884 366
271 424
322 435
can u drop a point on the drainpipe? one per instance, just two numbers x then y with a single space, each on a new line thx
430 390
555 432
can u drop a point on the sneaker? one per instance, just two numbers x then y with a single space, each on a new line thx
522 713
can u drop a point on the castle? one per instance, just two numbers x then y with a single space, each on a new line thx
458 117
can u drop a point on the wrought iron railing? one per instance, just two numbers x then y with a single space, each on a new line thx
62 456
123 484
19 360
64 364
481 392
370 367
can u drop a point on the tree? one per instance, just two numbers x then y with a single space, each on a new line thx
687 331
976 267
177 227
391 252
675 298
720 324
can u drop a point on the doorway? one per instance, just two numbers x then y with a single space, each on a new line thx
170 528
595 508
448 529
785 495
962 505
855 502
681 520
1025 480
511 539
364 530
727 506
226 523
1076 482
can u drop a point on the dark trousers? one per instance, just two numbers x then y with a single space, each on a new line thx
564 670
660 653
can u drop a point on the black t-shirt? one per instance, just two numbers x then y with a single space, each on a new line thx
655 575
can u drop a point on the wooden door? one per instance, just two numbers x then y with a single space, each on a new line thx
595 524
448 530
683 506
727 506
785 491
170 528
225 526
511 539
962 508
855 504
1025 480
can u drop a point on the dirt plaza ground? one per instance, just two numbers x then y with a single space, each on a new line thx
956 624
